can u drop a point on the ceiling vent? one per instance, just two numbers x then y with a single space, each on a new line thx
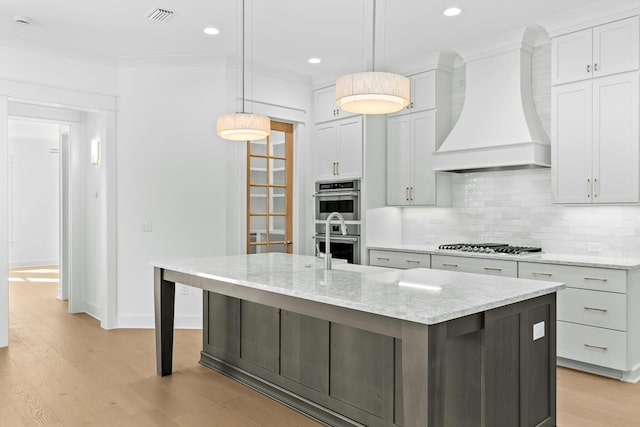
159 14
22 20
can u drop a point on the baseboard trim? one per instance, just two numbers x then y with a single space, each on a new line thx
149 322
33 263
625 376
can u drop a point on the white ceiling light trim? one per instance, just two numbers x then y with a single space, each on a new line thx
373 92
452 11
211 31
314 60
243 126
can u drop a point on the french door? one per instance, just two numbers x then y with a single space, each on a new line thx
270 191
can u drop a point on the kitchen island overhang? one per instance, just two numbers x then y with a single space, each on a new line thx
436 331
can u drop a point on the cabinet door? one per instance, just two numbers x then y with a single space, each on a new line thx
616 47
616 157
423 91
571 142
572 57
398 160
325 107
325 150
350 147
423 135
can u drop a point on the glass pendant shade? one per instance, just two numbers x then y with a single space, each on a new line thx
243 126
373 92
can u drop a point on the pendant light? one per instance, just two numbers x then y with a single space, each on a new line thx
243 126
373 92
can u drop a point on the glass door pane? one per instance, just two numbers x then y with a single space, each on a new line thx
269 191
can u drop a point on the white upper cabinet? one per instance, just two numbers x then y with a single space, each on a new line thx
325 107
423 93
595 52
338 149
595 154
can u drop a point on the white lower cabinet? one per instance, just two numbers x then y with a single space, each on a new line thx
597 324
394 259
495 267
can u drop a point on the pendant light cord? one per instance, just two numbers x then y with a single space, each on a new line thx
243 55
373 37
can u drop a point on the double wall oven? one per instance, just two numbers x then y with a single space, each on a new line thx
342 197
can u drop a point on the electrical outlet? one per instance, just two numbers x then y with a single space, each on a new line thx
184 290
594 247
538 331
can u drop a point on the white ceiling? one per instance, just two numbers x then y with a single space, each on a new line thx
281 33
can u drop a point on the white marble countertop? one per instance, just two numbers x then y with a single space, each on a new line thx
420 295
545 258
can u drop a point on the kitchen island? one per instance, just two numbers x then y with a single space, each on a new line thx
362 346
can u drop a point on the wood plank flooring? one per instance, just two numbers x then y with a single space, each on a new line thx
63 370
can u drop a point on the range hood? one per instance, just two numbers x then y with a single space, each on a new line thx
498 127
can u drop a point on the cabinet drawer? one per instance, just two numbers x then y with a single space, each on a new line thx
399 259
598 346
599 279
593 308
475 265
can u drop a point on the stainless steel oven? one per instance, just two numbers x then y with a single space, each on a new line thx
338 196
342 247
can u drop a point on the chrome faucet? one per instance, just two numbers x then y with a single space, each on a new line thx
327 231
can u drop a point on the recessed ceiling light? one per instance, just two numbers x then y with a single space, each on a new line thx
212 31
452 11
314 60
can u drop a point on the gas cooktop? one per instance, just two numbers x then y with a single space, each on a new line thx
490 248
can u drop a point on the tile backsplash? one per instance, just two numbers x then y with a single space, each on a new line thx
515 207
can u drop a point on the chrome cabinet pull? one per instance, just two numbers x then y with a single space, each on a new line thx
492 269
450 265
406 193
334 167
596 188
411 261
597 279
588 68
383 259
535 273
603 310
595 67
599 347
410 193
588 188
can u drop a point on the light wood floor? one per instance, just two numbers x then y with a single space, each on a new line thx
63 370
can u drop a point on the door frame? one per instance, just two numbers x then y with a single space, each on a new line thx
53 99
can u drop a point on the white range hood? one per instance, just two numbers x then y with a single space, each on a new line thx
498 126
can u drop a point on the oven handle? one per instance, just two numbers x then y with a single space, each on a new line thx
338 239
337 193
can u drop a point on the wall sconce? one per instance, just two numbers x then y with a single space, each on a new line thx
95 152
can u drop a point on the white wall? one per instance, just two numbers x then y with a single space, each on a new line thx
4 221
34 193
171 172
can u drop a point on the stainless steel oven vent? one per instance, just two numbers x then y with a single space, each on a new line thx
159 15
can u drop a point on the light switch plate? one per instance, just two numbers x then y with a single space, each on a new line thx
538 330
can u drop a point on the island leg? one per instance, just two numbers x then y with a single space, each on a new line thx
423 374
164 302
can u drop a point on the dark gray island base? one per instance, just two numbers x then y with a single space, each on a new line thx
343 366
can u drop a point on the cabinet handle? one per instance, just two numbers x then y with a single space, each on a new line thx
535 273
334 167
337 168
599 347
492 269
588 188
595 67
596 188
588 68
383 259
406 193
450 265
603 310
412 261
410 193
597 279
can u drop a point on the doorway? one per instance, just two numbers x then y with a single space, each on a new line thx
35 201
270 191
